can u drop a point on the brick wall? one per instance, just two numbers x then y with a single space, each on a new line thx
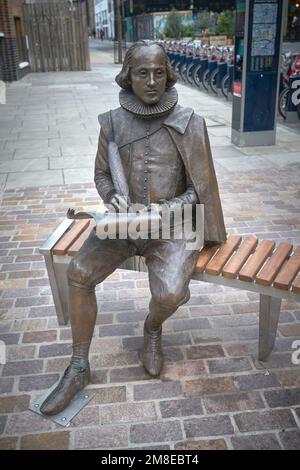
9 55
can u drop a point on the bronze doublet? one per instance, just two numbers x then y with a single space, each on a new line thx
146 160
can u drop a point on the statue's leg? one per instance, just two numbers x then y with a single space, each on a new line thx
93 263
170 265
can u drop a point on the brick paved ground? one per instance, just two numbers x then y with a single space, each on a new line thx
213 393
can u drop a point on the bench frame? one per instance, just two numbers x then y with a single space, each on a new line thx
269 305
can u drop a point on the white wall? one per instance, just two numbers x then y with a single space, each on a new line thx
104 18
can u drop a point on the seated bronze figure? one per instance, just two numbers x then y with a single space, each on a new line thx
166 157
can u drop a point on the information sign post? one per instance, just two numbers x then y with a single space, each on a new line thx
256 72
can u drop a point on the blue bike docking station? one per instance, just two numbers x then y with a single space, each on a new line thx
256 72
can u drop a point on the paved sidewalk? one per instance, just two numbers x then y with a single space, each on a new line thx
213 393
49 128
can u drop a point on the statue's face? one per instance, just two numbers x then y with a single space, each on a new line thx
148 74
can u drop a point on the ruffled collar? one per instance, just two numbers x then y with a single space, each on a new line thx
129 101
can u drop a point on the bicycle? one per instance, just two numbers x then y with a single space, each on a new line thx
221 70
291 67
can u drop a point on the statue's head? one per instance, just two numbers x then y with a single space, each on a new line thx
146 71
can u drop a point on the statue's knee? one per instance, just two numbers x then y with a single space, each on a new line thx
77 274
170 299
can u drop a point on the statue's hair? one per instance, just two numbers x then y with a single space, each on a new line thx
123 78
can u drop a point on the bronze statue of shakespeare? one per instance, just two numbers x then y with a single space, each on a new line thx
166 157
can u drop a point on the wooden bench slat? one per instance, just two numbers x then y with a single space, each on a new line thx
75 247
289 271
255 262
70 236
296 285
217 263
205 256
267 274
236 262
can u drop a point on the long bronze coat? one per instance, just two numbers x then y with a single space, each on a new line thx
189 133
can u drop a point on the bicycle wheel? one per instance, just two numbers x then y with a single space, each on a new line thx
188 74
182 72
196 75
176 67
213 81
282 102
205 80
224 85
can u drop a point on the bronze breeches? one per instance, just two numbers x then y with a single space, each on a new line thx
170 266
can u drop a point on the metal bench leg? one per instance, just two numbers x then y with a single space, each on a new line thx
57 275
58 282
269 310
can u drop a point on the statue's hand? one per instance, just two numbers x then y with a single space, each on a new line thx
165 205
171 204
119 203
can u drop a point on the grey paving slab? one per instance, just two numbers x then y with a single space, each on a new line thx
249 163
264 150
70 134
217 120
32 118
71 140
37 152
3 178
27 144
283 137
4 155
282 160
67 128
65 120
80 175
36 109
291 146
13 166
34 114
227 151
92 130
38 135
16 130
33 126
34 179
219 141
4 133
86 161
220 131
76 150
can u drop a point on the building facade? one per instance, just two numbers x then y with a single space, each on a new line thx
139 7
13 45
104 19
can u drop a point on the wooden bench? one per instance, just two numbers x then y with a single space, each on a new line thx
248 264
